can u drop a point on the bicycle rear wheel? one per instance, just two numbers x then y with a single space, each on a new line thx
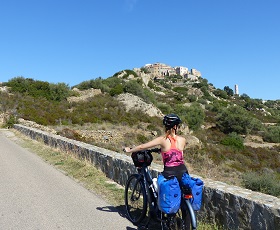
184 219
188 216
135 199
173 221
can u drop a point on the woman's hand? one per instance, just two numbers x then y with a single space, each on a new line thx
127 149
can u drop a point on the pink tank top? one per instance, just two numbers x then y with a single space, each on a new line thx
173 157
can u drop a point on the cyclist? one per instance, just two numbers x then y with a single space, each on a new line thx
172 146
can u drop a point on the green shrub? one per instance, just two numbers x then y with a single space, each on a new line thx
233 140
194 115
272 134
164 108
237 119
192 98
181 90
220 93
267 183
151 85
10 122
59 92
37 89
118 89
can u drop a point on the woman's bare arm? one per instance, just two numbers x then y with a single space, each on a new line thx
157 141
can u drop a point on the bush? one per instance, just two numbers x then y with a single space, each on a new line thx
39 89
192 98
151 85
164 108
194 115
97 83
265 183
237 119
118 89
272 134
233 140
135 88
181 90
220 93
59 92
10 122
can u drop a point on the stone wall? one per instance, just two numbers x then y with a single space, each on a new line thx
229 206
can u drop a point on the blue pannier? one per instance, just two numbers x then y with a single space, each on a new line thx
196 186
169 194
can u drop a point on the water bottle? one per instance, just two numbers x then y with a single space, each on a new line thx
155 184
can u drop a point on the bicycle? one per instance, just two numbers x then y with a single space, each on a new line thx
141 196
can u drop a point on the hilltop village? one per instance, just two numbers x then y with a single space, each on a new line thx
160 70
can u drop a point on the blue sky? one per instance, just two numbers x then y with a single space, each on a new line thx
70 41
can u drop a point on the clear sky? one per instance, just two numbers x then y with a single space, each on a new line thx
229 41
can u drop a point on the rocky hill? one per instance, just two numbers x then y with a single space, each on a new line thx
228 135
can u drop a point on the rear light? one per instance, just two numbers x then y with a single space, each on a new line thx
188 196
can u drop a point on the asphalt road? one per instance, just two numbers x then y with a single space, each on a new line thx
34 195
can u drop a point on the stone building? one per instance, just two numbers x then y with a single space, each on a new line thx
160 69
195 72
181 70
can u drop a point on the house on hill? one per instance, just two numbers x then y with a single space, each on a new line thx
160 70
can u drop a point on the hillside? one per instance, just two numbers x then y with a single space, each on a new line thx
232 138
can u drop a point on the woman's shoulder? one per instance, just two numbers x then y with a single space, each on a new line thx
181 137
181 140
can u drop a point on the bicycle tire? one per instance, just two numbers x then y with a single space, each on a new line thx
189 217
135 199
174 222
184 219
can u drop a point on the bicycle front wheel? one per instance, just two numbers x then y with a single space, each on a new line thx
135 199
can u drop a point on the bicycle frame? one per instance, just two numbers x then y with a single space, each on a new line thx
149 187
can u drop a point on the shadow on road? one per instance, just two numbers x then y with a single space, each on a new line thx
119 209
153 225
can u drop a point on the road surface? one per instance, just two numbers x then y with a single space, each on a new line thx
34 195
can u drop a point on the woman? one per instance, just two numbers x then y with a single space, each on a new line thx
171 145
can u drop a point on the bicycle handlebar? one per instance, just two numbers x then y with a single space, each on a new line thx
153 150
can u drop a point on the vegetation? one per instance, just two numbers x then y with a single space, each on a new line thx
264 182
229 118
36 89
236 119
233 140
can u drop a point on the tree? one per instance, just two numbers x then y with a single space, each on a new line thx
118 89
136 89
59 92
237 119
253 104
220 93
272 134
228 90
194 115
244 96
